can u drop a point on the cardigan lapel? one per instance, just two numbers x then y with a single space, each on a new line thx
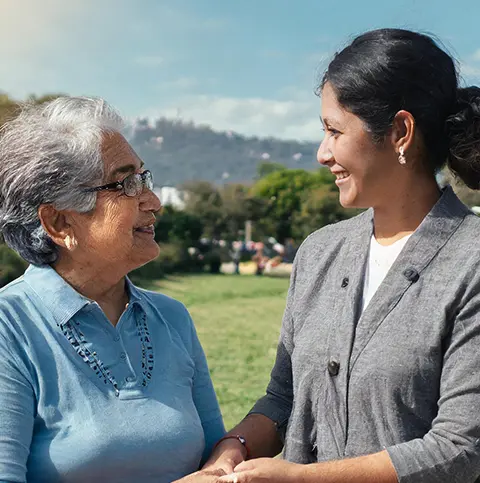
432 234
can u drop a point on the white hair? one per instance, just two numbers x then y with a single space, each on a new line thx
47 154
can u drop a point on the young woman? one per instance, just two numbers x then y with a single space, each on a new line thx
377 376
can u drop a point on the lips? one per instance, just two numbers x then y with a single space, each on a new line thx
149 229
341 174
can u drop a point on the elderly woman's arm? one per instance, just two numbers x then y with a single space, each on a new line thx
204 397
17 408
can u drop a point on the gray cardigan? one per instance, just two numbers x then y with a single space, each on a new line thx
405 375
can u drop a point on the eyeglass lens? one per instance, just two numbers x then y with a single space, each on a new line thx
135 183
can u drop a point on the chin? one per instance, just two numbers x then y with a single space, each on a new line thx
353 200
146 255
347 202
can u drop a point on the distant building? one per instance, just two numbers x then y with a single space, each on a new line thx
170 196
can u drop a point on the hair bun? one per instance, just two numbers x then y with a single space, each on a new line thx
463 132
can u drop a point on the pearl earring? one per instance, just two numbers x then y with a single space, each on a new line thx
401 157
70 242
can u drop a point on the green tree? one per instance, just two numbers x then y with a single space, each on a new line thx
268 167
283 191
320 207
203 199
176 226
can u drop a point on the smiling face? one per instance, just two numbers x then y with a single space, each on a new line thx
119 233
364 170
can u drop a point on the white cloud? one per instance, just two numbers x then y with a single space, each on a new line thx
251 116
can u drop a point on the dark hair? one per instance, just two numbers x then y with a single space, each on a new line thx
387 70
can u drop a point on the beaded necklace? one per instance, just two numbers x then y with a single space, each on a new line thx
77 340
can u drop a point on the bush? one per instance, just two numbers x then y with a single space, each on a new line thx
173 258
12 265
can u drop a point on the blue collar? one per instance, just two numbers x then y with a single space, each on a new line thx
61 299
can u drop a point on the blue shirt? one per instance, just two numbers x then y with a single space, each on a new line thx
61 419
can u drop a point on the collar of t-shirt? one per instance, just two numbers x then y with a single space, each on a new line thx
380 260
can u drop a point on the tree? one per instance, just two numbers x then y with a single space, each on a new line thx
284 191
320 207
203 200
178 227
268 167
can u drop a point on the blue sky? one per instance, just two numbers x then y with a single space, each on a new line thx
243 65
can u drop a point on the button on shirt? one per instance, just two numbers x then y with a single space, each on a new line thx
61 421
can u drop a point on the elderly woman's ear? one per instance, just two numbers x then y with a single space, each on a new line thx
58 226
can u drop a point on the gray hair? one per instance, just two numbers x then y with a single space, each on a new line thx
47 154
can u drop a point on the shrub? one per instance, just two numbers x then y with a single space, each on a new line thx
12 265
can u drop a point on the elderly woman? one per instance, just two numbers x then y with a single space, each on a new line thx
100 381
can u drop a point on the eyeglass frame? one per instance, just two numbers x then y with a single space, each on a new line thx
145 177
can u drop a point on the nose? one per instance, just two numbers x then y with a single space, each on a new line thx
149 201
324 154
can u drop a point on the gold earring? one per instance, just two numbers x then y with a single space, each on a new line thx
401 157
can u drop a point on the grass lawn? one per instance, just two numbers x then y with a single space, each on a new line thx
238 321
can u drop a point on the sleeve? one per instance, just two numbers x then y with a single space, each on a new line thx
205 399
17 409
450 451
278 400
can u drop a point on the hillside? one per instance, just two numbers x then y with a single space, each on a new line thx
177 152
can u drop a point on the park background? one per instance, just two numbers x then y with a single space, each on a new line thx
219 102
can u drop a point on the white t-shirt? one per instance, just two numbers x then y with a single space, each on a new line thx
380 260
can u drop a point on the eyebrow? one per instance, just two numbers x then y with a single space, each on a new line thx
330 121
127 168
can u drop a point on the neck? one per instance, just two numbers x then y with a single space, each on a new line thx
109 293
401 216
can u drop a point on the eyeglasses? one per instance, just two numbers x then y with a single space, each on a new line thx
133 185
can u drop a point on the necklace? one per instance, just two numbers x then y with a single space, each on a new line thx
77 340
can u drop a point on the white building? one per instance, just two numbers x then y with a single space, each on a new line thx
170 196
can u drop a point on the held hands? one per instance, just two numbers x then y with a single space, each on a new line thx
226 456
264 470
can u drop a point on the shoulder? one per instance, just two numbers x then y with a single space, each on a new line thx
163 302
173 312
13 302
16 311
334 233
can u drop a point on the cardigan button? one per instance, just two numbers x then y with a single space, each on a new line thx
333 367
411 275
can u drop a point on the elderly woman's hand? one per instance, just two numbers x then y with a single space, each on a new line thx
203 476
226 456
